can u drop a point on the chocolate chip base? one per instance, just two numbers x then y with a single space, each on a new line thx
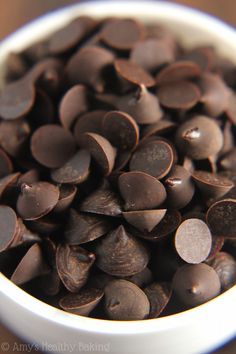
118 171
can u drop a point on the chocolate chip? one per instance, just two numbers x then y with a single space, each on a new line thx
141 191
202 56
9 224
144 220
214 94
68 37
155 158
143 106
152 54
161 127
44 226
17 99
16 66
199 137
231 108
7 182
193 241
90 122
29 177
75 170
158 295
180 70
133 73
43 111
225 266
13 136
73 264
122 34
121 130
166 227
6 166
142 278
87 67
66 197
31 266
179 95
47 75
125 301
179 187
216 246
73 104
36 200
196 284
212 184
101 150
52 146
228 160
221 218
121 254
82 228
102 201
83 302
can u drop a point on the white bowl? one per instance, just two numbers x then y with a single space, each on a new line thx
194 331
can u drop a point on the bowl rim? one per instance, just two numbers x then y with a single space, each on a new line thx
52 314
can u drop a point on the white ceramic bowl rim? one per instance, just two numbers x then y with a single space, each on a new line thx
91 325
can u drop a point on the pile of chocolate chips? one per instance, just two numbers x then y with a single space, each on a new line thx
118 171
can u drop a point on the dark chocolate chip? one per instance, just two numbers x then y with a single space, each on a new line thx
69 36
158 295
193 241
216 246
142 278
195 284
225 266
82 228
73 264
144 220
90 122
36 200
202 56
133 73
199 137
230 110
121 130
9 225
7 182
180 70
52 146
73 104
101 150
83 302
212 185
141 191
43 111
179 95
102 201
122 34
121 254
31 266
228 160
152 54
6 166
87 67
221 218
179 187
166 227
161 127
142 105
17 99
13 136
75 170
29 177
66 197
125 301
155 158
215 94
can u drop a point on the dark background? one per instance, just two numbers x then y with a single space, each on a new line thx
15 13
